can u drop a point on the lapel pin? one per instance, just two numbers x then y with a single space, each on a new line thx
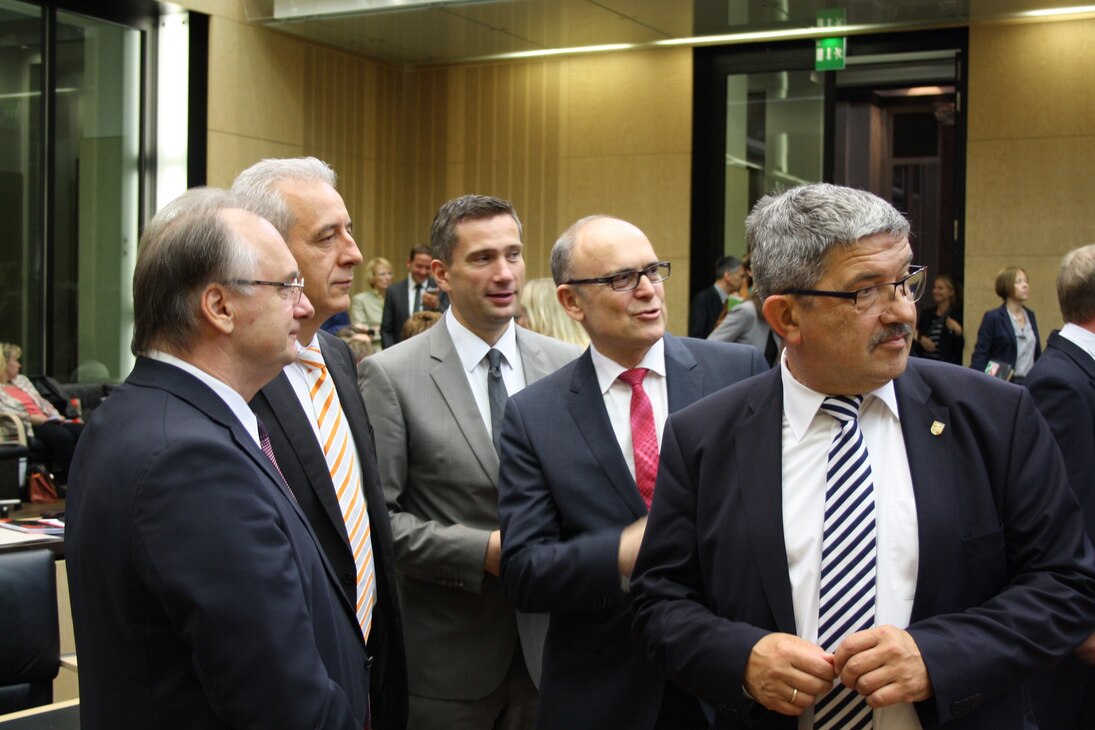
937 428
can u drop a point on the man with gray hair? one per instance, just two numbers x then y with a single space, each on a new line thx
319 428
1062 384
855 539
199 595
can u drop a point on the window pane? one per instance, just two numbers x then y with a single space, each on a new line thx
21 247
96 199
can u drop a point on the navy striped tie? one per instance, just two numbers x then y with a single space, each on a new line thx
847 591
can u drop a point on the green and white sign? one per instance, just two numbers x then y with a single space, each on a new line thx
829 53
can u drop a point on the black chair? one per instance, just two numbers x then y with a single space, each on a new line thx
13 450
30 645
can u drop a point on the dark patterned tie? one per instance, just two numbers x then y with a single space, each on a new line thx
497 395
847 591
268 449
417 298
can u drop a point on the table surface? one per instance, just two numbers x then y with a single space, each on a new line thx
58 716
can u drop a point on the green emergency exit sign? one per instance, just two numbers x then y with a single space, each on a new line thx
829 53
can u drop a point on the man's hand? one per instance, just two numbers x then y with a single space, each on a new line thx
927 344
779 665
630 540
430 299
884 665
1085 652
492 563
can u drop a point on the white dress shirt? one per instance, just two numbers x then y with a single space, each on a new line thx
1082 338
617 395
411 284
807 434
231 398
472 351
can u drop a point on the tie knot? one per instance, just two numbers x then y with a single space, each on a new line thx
418 286
494 360
311 357
634 377
843 408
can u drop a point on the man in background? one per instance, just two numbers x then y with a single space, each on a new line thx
436 400
318 426
199 595
711 302
417 293
579 458
1062 384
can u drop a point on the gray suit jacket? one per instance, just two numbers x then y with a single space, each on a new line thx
439 471
746 325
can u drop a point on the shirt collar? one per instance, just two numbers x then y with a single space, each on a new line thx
801 404
472 349
609 370
231 398
1082 338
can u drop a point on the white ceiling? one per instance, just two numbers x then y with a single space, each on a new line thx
424 32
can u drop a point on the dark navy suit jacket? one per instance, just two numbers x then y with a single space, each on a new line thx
996 339
200 596
301 460
1006 580
564 495
1062 384
396 310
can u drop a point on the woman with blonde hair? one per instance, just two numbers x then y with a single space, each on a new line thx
367 308
541 312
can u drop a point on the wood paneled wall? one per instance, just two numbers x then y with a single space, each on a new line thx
561 138
1030 159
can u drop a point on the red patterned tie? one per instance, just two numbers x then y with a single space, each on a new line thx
644 437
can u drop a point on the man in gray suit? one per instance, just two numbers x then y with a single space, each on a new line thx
435 403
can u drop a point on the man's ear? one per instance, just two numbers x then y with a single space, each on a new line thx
218 309
441 275
572 303
782 312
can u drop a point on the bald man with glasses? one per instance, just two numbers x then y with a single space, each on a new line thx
579 460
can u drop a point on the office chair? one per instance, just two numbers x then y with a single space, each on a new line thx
30 645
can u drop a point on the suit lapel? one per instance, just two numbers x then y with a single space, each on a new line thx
586 405
758 465
931 453
292 420
452 381
684 381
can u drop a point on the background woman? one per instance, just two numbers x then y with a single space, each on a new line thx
51 438
939 325
367 308
1009 333
541 312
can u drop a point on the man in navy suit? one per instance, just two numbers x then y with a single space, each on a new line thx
300 198
894 535
417 293
200 597
570 484
1062 384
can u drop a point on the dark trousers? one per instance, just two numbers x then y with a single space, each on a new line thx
54 442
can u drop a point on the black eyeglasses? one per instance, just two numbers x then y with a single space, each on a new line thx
628 280
290 290
874 300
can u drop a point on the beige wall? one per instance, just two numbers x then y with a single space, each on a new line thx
1031 153
561 138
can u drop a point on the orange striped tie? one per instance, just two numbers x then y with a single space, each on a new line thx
346 476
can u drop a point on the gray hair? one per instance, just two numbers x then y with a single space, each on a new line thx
562 253
458 210
790 233
1076 285
184 248
257 186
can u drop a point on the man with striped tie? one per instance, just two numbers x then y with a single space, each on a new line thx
854 539
319 429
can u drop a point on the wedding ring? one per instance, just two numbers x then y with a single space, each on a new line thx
794 695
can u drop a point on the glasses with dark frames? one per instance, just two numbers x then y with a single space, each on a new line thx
290 290
874 300
628 280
